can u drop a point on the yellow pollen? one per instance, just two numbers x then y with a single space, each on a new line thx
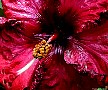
42 49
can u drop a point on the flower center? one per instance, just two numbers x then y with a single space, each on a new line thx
41 50
63 25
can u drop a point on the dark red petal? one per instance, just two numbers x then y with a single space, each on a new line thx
91 12
24 10
56 74
24 79
15 53
17 44
9 71
75 12
90 51
21 9
30 27
96 44
87 10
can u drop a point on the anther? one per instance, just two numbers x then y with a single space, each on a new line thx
42 49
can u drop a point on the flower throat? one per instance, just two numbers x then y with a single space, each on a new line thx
64 25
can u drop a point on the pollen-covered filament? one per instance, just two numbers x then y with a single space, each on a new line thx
41 50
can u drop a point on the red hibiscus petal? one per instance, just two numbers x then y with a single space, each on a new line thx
96 45
14 49
17 44
21 9
79 12
57 74
14 79
89 52
25 78
25 11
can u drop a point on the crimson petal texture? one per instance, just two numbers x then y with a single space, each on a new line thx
57 74
23 10
87 11
96 45
14 49
88 52
83 61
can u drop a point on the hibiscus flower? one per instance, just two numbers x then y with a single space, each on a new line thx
54 44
